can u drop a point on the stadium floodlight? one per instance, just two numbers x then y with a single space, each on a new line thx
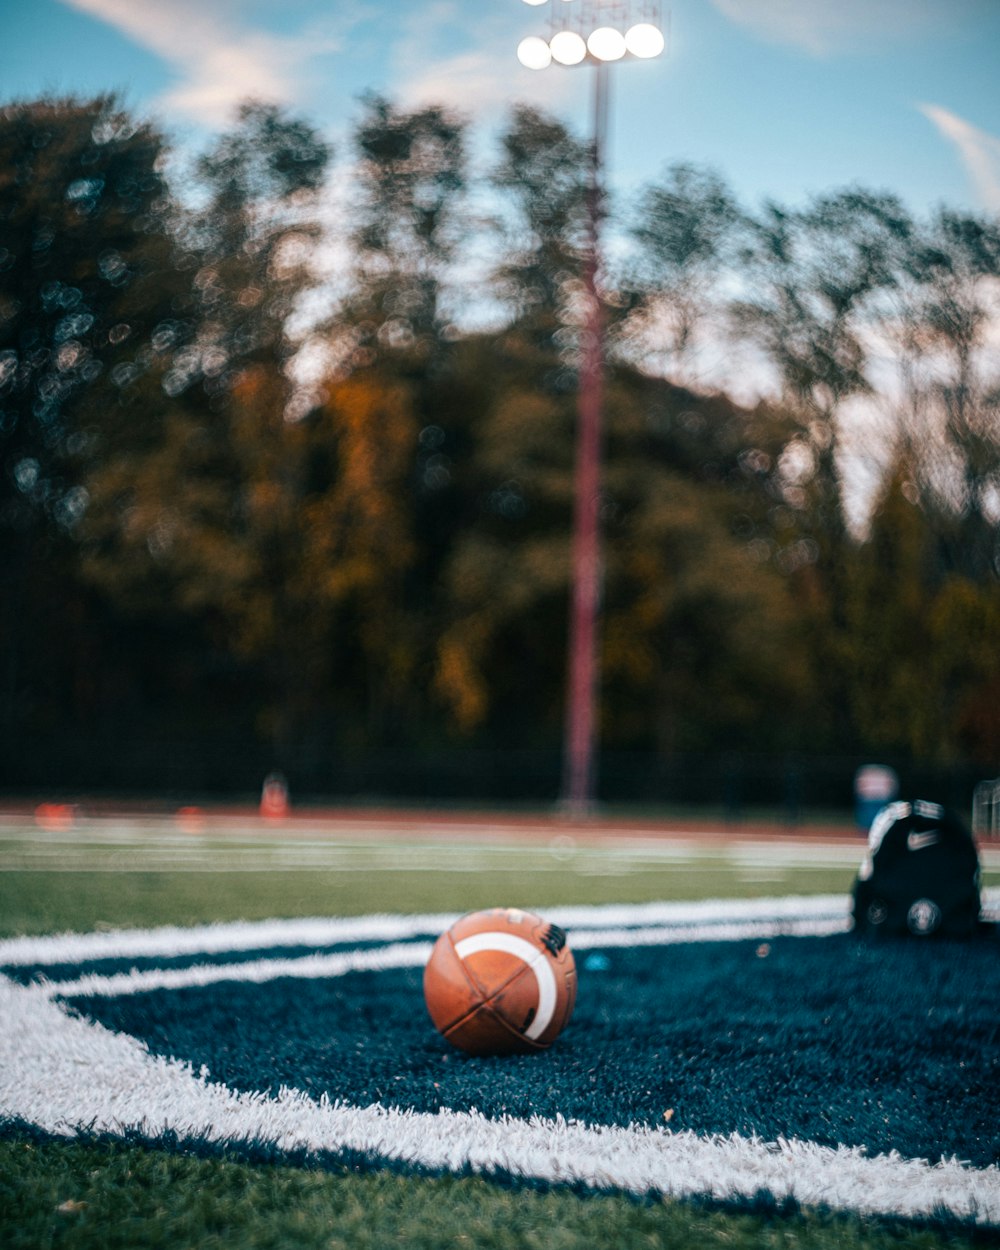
534 53
606 44
595 32
567 47
644 40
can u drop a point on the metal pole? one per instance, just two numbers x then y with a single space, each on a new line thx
579 771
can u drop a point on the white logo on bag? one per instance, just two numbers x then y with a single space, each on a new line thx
924 916
918 841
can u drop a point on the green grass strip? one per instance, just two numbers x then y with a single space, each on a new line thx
51 902
98 1196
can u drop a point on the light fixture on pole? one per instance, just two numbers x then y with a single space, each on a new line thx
595 32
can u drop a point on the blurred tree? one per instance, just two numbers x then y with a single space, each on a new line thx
359 551
700 635
923 669
808 279
940 679
686 228
940 327
204 509
811 281
84 251
250 248
406 230
393 341
894 700
501 656
687 496
84 285
543 176
350 555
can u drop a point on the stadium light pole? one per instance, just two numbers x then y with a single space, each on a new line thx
595 32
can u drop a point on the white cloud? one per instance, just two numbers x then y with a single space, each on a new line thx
433 51
823 28
483 75
218 62
979 152
474 83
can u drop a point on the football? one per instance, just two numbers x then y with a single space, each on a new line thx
500 982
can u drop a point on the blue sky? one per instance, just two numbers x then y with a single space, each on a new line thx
786 98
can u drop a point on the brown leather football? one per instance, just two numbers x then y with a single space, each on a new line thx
500 982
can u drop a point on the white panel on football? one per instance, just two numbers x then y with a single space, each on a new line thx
510 944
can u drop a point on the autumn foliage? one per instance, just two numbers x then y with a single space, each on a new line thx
322 512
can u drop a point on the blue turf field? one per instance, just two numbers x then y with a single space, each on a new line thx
721 1048
895 1047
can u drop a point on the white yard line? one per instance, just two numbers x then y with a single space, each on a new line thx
169 941
68 854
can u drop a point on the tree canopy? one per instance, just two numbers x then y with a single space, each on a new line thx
374 554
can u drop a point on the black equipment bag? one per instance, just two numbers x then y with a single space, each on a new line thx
920 876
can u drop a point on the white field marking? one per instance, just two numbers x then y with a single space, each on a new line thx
257 972
66 1074
170 941
184 856
233 826
411 955
614 868
234 830
797 855
521 949
46 844
174 941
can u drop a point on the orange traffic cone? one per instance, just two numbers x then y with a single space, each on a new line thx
274 797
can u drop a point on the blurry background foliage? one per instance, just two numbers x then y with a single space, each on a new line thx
283 487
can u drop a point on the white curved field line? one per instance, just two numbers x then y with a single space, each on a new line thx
64 1074
168 941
